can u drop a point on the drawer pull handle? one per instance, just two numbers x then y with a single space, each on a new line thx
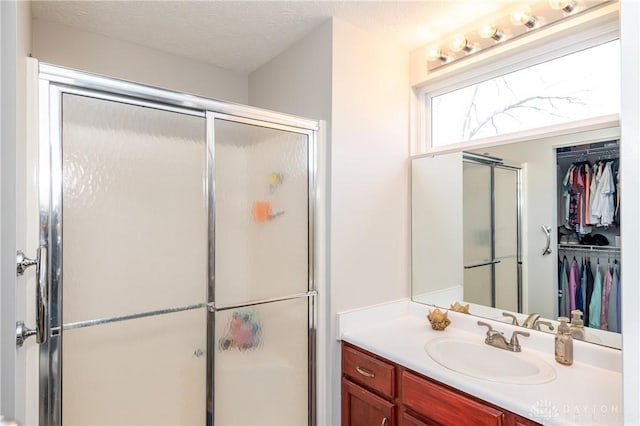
384 422
365 373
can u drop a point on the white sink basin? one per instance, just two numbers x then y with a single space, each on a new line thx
477 359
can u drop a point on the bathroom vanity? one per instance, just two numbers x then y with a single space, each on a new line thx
376 391
392 375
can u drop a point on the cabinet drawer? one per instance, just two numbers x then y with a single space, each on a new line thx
371 372
445 406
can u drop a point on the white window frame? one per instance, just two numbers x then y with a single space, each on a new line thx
573 35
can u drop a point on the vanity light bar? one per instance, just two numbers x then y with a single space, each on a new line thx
520 21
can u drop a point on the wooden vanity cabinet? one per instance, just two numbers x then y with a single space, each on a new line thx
376 391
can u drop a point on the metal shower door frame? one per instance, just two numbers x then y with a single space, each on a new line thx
56 81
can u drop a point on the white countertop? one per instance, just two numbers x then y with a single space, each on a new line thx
588 392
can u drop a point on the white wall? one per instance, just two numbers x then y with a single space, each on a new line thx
369 170
298 81
630 158
66 46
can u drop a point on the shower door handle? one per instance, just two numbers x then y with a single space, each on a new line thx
42 329
547 231
42 297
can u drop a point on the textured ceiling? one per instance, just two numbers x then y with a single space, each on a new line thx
243 35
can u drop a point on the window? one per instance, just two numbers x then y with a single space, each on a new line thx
578 86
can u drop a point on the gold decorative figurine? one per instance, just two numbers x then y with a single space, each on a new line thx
457 307
438 319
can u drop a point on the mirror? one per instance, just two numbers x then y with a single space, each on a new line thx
478 238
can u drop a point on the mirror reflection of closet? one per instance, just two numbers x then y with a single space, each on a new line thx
588 240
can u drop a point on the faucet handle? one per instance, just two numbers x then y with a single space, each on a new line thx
547 323
514 343
514 320
490 331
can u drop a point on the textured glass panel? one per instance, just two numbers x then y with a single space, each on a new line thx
578 86
134 214
477 285
261 210
261 364
506 211
476 204
507 285
149 371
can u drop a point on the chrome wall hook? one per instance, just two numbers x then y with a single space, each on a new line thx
23 262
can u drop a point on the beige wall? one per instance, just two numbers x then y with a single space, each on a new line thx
62 45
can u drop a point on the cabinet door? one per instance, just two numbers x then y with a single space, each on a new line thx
445 406
362 408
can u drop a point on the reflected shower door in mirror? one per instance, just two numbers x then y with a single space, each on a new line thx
452 216
491 243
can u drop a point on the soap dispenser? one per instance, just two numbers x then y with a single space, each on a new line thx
564 342
577 325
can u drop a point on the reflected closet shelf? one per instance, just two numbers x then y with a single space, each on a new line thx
584 247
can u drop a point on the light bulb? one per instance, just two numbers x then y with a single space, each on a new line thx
523 16
567 6
491 31
460 43
435 54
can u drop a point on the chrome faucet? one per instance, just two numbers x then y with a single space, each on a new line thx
497 339
533 322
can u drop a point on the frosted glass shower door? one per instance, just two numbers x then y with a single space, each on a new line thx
506 238
133 289
263 291
477 233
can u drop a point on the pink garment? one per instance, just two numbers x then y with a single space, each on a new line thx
606 292
574 273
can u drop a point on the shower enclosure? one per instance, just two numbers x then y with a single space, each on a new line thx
176 274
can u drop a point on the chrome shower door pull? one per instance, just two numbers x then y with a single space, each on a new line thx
547 232
42 329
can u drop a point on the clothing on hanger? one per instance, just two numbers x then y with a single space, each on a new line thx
606 293
595 304
589 292
612 312
573 284
580 291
